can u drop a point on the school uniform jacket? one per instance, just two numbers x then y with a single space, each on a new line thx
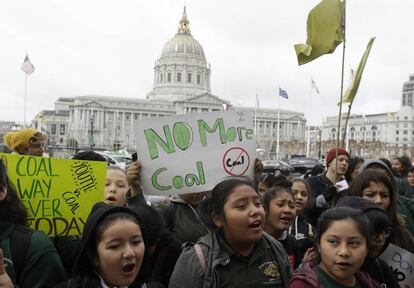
189 274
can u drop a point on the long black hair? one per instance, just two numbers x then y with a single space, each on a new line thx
12 209
353 163
363 180
405 165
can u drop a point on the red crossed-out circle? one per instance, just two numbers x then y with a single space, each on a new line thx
236 153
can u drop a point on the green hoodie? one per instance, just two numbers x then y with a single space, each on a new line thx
42 266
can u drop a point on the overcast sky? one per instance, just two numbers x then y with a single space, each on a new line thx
109 47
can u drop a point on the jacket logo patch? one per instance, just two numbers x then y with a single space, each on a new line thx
272 270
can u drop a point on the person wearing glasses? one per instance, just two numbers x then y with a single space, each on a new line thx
27 141
381 229
379 187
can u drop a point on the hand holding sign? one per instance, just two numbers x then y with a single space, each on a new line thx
133 175
5 281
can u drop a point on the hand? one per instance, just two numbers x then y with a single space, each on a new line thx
133 175
5 281
258 169
310 255
258 166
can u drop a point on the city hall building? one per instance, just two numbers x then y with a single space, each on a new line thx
384 134
181 86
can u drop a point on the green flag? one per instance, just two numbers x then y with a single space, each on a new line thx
324 31
353 87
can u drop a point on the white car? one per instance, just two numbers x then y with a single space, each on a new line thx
119 160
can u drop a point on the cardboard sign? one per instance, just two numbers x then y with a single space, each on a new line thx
192 153
57 193
402 264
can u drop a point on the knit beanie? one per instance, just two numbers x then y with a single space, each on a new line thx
19 140
332 154
358 203
89 155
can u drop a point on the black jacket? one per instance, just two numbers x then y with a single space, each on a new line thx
303 232
379 270
320 186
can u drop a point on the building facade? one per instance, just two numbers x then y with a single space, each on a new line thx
181 86
385 134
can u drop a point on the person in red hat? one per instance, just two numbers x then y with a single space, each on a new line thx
327 188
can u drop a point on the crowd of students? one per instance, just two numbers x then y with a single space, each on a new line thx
327 230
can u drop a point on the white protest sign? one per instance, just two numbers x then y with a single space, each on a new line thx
402 264
192 153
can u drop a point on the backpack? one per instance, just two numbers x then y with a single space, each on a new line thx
19 243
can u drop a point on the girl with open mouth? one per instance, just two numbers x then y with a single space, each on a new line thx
300 228
116 185
112 250
235 252
279 205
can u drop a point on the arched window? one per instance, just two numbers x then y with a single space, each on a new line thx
333 133
374 133
362 131
352 132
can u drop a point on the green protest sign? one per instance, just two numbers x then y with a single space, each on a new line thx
192 153
57 193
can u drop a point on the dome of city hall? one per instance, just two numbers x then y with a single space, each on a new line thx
183 42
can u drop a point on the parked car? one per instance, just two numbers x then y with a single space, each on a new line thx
303 164
272 166
119 160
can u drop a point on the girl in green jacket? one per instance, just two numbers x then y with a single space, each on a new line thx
236 252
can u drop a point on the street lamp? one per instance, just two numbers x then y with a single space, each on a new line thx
91 140
320 144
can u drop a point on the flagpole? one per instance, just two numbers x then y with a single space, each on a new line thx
255 119
342 80
346 122
347 117
278 127
25 99
310 111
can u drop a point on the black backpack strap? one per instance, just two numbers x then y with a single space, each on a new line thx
172 208
19 247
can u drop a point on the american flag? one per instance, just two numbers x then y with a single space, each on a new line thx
283 93
315 87
27 67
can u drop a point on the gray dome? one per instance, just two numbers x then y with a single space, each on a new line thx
183 44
